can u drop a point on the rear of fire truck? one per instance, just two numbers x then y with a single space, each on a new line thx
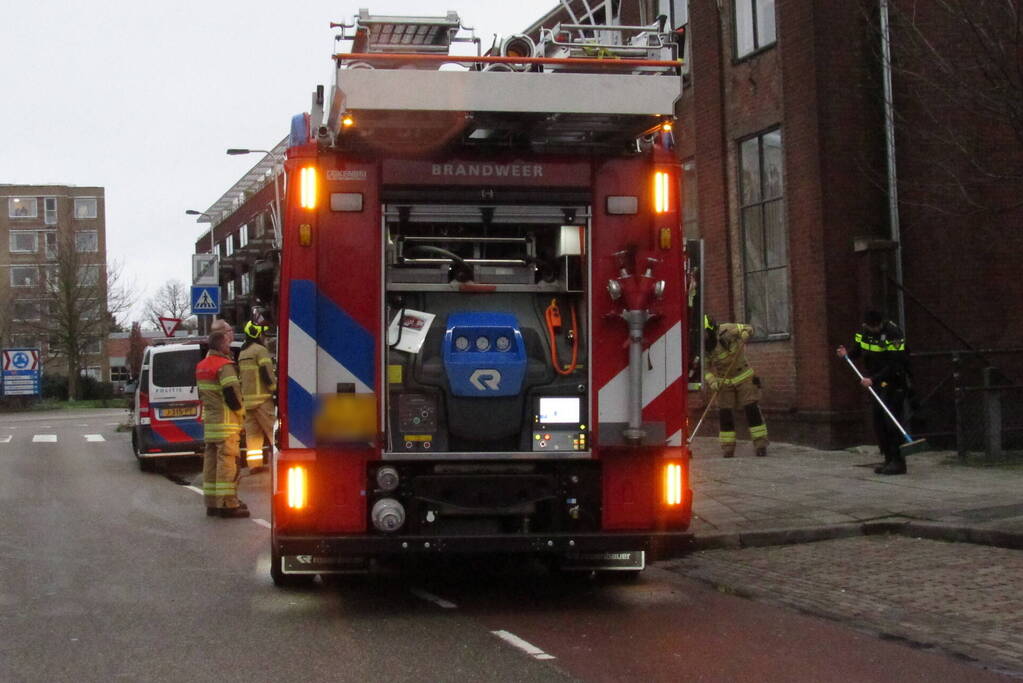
482 302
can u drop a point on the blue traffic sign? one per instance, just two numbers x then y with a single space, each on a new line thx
20 372
205 300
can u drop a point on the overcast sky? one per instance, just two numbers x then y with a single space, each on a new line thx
142 98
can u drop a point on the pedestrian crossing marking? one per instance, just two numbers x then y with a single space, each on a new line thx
44 438
6 439
94 437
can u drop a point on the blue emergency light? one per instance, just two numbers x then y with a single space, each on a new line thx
484 354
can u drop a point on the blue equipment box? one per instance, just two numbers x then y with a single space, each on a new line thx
484 354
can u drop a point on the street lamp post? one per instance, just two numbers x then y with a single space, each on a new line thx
277 194
213 248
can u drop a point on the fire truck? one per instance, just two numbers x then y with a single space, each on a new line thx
482 301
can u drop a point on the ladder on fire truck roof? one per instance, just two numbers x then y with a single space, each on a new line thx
580 83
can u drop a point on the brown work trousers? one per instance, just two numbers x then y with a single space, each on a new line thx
220 473
259 429
744 396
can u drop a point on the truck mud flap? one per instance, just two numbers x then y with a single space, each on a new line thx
634 560
316 564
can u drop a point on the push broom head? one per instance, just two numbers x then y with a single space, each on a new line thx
912 447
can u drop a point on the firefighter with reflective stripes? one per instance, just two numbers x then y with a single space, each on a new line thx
258 386
882 346
735 384
223 414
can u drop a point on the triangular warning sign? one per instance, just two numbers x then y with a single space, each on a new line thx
168 325
205 302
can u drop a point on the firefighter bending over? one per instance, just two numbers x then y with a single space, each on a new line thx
220 391
258 386
733 382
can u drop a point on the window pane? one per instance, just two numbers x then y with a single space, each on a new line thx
744 27
23 241
50 210
773 164
26 310
88 276
765 22
753 238
756 295
50 242
85 207
24 276
777 301
775 241
749 171
86 241
22 207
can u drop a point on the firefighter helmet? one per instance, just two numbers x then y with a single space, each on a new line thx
254 331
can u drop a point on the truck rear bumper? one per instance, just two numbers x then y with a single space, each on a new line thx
657 545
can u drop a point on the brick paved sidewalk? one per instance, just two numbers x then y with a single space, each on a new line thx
797 487
962 599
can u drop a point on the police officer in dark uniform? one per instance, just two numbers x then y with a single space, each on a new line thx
882 346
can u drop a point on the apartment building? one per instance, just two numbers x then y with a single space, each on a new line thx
53 235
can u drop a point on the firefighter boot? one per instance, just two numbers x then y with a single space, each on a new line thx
896 465
229 513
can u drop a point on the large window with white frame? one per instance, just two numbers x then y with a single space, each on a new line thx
26 309
243 236
754 26
88 276
94 371
85 207
246 283
765 251
120 373
50 241
86 241
24 276
22 207
229 244
93 347
230 289
24 241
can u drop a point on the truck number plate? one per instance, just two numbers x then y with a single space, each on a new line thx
179 411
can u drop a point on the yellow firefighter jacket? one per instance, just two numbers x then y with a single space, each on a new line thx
219 388
258 379
727 361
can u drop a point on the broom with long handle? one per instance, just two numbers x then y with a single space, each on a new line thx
912 445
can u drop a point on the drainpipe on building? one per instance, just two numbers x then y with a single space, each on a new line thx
889 137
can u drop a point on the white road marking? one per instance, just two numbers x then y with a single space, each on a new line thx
111 424
526 647
430 597
83 425
94 437
262 522
45 426
194 488
44 438
6 439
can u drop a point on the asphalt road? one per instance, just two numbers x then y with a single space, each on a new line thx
108 573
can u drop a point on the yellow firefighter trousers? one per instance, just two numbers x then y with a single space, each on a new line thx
732 398
259 429
220 473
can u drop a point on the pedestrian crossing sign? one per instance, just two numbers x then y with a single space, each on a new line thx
205 300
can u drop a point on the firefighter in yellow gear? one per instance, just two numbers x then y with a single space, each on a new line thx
258 386
223 414
732 378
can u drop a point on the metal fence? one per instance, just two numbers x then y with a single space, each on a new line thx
969 400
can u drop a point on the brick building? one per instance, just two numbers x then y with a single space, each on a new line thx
242 228
38 225
783 139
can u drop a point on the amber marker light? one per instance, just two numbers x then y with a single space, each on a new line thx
673 484
296 487
307 187
347 121
666 126
662 202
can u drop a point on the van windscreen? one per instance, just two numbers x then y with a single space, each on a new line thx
175 368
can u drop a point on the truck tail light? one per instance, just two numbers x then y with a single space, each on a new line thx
144 410
673 484
662 197
296 487
307 187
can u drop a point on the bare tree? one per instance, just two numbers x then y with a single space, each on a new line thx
136 348
958 72
77 300
172 300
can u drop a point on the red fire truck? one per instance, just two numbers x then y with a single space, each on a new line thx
482 302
